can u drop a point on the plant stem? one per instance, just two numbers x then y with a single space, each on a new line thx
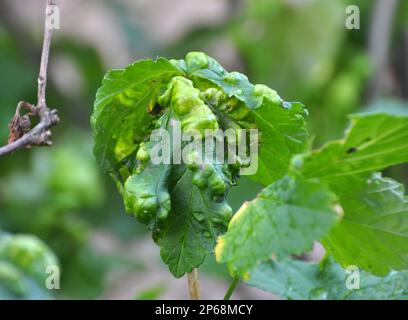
194 284
231 288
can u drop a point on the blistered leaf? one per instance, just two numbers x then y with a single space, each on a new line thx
185 206
121 111
282 124
206 72
199 214
146 195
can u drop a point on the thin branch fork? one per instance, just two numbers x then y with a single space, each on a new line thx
21 135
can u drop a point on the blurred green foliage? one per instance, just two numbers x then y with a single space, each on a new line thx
24 262
16 80
300 48
45 199
153 293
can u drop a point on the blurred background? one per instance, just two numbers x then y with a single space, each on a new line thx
301 48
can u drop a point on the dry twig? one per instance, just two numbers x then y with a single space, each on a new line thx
21 135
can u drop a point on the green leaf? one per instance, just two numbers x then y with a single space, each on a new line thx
283 134
373 142
283 219
292 279
120 119
374 231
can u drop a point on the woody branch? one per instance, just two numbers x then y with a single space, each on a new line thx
21 135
